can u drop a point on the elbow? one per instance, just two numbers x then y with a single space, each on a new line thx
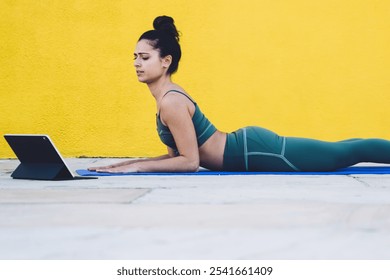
189 164
193 166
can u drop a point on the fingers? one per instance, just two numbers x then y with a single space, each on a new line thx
100 167
102 170
94 168
108 170
121 169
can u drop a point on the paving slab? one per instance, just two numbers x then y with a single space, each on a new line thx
194 217
66 195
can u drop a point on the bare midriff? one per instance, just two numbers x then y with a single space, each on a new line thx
211 152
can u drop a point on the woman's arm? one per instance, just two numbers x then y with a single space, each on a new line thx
127 162
176 115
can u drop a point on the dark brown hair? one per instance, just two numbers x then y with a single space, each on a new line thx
165 38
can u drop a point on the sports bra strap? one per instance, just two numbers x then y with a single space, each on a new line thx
173 90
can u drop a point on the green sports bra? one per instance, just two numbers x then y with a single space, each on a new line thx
203 127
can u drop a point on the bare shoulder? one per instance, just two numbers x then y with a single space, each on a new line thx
172 99
174 104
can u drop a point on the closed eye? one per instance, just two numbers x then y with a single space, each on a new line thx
143 56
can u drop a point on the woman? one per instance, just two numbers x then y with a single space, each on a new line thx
193 141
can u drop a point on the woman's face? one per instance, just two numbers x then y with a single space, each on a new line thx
148 64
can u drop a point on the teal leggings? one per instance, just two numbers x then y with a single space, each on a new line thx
258 149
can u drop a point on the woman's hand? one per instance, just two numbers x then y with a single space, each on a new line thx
130 168
127 162
95 168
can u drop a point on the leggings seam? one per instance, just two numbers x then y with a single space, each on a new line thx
245 149
284 158
281 156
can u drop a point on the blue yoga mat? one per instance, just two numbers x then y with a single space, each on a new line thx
344 171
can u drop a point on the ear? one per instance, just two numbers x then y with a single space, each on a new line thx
166 61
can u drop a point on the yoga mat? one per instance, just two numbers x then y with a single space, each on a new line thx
344 171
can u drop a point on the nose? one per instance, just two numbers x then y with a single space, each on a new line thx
137 63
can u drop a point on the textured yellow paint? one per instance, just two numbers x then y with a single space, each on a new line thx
304 68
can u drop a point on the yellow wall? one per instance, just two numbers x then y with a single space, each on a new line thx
304 68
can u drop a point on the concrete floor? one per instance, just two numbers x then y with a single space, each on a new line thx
194 217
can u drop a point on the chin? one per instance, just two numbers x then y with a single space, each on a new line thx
142 80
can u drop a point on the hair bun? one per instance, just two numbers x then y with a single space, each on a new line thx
167 24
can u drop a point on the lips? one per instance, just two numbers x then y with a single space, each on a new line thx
139 72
